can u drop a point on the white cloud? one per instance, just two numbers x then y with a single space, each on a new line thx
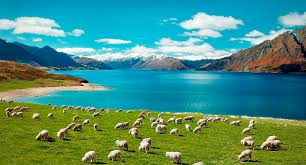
106 49
170 20
254 33
77 32
76 50
170 42
37 39
37 25
113 41
293 19
209 25
259 39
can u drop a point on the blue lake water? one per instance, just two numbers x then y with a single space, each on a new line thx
269 95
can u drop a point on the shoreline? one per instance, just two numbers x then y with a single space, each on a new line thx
42 91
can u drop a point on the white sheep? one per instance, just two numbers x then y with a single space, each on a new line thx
18 114
152 119
50 115
271 138
197 129
178 120
247 142
159 115
42 135
24 109
61 133
198 163
122 144
160 120
78 127
123 125
134 132
137 124
90 156
144 146
154 124
171 120
161 129
54 108
8 114
96 114
174 156
65 110
36 116
245 154
149 140
251 125
71 125
246 130
96 127
235 123
187 126
76 118
114 155
86 122
271 144
189 118
174 131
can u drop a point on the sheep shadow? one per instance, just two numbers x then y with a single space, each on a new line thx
181 135
99 163
65 139
131 151
155 147
50 139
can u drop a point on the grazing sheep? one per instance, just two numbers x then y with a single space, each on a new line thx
61 133
187 126
36 116
189 118
123 125
114 155
171 120
42 135
137 124
96 127
161 129
160 121
90 156
16 108
50 115
86 122
54 108
174 131
271 145
122 144
198 163
8 109
96 114
271 138
134 132
235 123
246 142
71 125
17 114
246 130
197 129
76 118
78 127
65 110
144 146
154 124
24 109
174 156
152 119
245 154
159 115
202 122
8 114
149 140
178 121
142 115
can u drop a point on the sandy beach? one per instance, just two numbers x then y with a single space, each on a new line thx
41 91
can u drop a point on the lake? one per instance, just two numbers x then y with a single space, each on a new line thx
249 94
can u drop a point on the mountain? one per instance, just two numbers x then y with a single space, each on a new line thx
91 63
196 63
45 56
14 71
285 53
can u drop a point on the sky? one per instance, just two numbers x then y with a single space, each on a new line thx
186 29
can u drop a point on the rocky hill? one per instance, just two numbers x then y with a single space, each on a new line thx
285 53
91 63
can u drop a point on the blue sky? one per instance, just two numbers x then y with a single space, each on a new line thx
182 28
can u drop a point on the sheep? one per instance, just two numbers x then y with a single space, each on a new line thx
271 138
161 129
245 154
76 118
187 126
134 132
96 114
65 110
54 108
137 124
160 121
152 119
142 115
248 138
235 123
71 125
17 114
144 146
189 118
8 114
50 115
114 155
271 144
178 121
61 133
154 124
78 127
42 135
16 108
122 144
129 111
149 140
96 127
197 129
36 116
159 115
171 120
24 109
86 121
198 163
123 125
174 131
174 156
202 122
8 109
149 114
89 156
247 141
246 130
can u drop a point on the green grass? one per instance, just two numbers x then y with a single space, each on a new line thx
21 84
219 143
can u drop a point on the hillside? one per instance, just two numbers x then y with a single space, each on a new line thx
91 63
218 143
285 53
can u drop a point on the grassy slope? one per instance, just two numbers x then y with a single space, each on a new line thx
22 84
217 144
